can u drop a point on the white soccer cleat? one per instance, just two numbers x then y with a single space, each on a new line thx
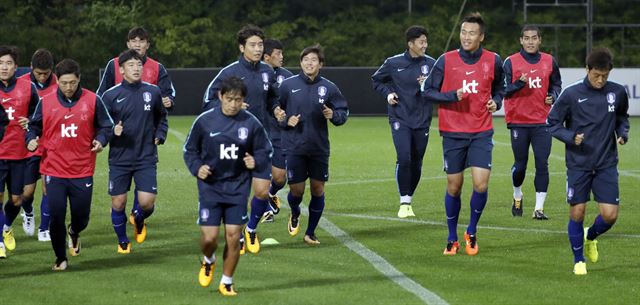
43 235
28 225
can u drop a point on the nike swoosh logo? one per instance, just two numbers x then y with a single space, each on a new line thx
245 217
154 188
120 99
580 100
6 99
469 73
88 184
213 134
400 70
576 249
533 71
295 90
477 212
451 217
68 116
242 77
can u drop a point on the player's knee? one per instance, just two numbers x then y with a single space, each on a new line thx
16 200
279 179
610 217
261 193
453 190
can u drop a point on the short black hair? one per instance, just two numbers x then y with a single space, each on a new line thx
530 27
42 59
414 32
475 17
270 45
67 66
600 59
316 48
139 32
233 84
248 31
11 51
127 55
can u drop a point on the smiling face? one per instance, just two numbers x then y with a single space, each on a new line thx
418 46
252 49
311 65
470 36
531 41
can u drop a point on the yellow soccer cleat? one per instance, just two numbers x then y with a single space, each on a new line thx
580 268
9 240
251 241
294 225
311 240
124 248
132 218
60 265
3 251
74 245
242 248
227 290
274 204
140 234
405 211
590 248
206 274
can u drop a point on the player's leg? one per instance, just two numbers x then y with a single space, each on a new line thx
80 202
480 162
402 142
419 141
318 174
58 190
43 230
135 207
209 218
278 180
297 175
4 172
119 184
578 189
234 219
259 205
31 176
520 140
455 159
147 189
606 193
541 144
12 206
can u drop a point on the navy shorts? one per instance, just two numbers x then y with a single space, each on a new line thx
120 179
279 158
603 183
301 167
12 175
462 153
213 213
32 171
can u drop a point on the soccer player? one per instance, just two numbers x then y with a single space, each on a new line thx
46 82
309 101
532 84
72 125
19 98
225 146
153 72
472 76
590 117
138 109
398 80
273 57
260 100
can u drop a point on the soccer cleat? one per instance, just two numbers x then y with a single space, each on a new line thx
539 215
124 248
516 208
267 217
471 246
311 240
60 265
9 240
274 204
580 268
252 243
43 235
132 218
227 290
28 225
590 248
452 248
405 211
242 248
74 243
3 251
294 225
206 274
140 232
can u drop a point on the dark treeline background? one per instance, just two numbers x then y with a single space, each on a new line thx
193 33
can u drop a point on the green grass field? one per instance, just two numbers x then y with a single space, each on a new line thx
521 261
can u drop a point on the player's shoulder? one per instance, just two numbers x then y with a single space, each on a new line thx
150 87
328 83
111 92
615 86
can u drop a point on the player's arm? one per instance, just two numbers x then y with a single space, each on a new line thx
283 103
33 100
559 113
555 81
108 78
4 121
191 149
166 87
509 87
431 86
622 118
210 98
262 149
103 123
160 121
497 86
34 129
272 94
381 79
338 105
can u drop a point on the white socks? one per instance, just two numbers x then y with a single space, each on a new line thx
405 199
517 192
210 260
540 197
227 280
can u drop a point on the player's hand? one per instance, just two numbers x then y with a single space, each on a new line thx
421 79
492 106
245 106
579 138
293 120
327 112
280 114
460 94
97 146
117 130
24 122
249 161
621 141
523 77
204 171
167 102
392 98
156 141
33 144
548 100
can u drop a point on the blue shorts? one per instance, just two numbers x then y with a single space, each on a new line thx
462 153
120 179
603 183
32 171
279 158
213 213
301 167
12 175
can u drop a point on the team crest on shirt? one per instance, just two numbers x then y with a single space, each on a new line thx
322 91
265 80
146 96
611 97
204 215
280 79
396 125
84 116
570 193
243 133
424 69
